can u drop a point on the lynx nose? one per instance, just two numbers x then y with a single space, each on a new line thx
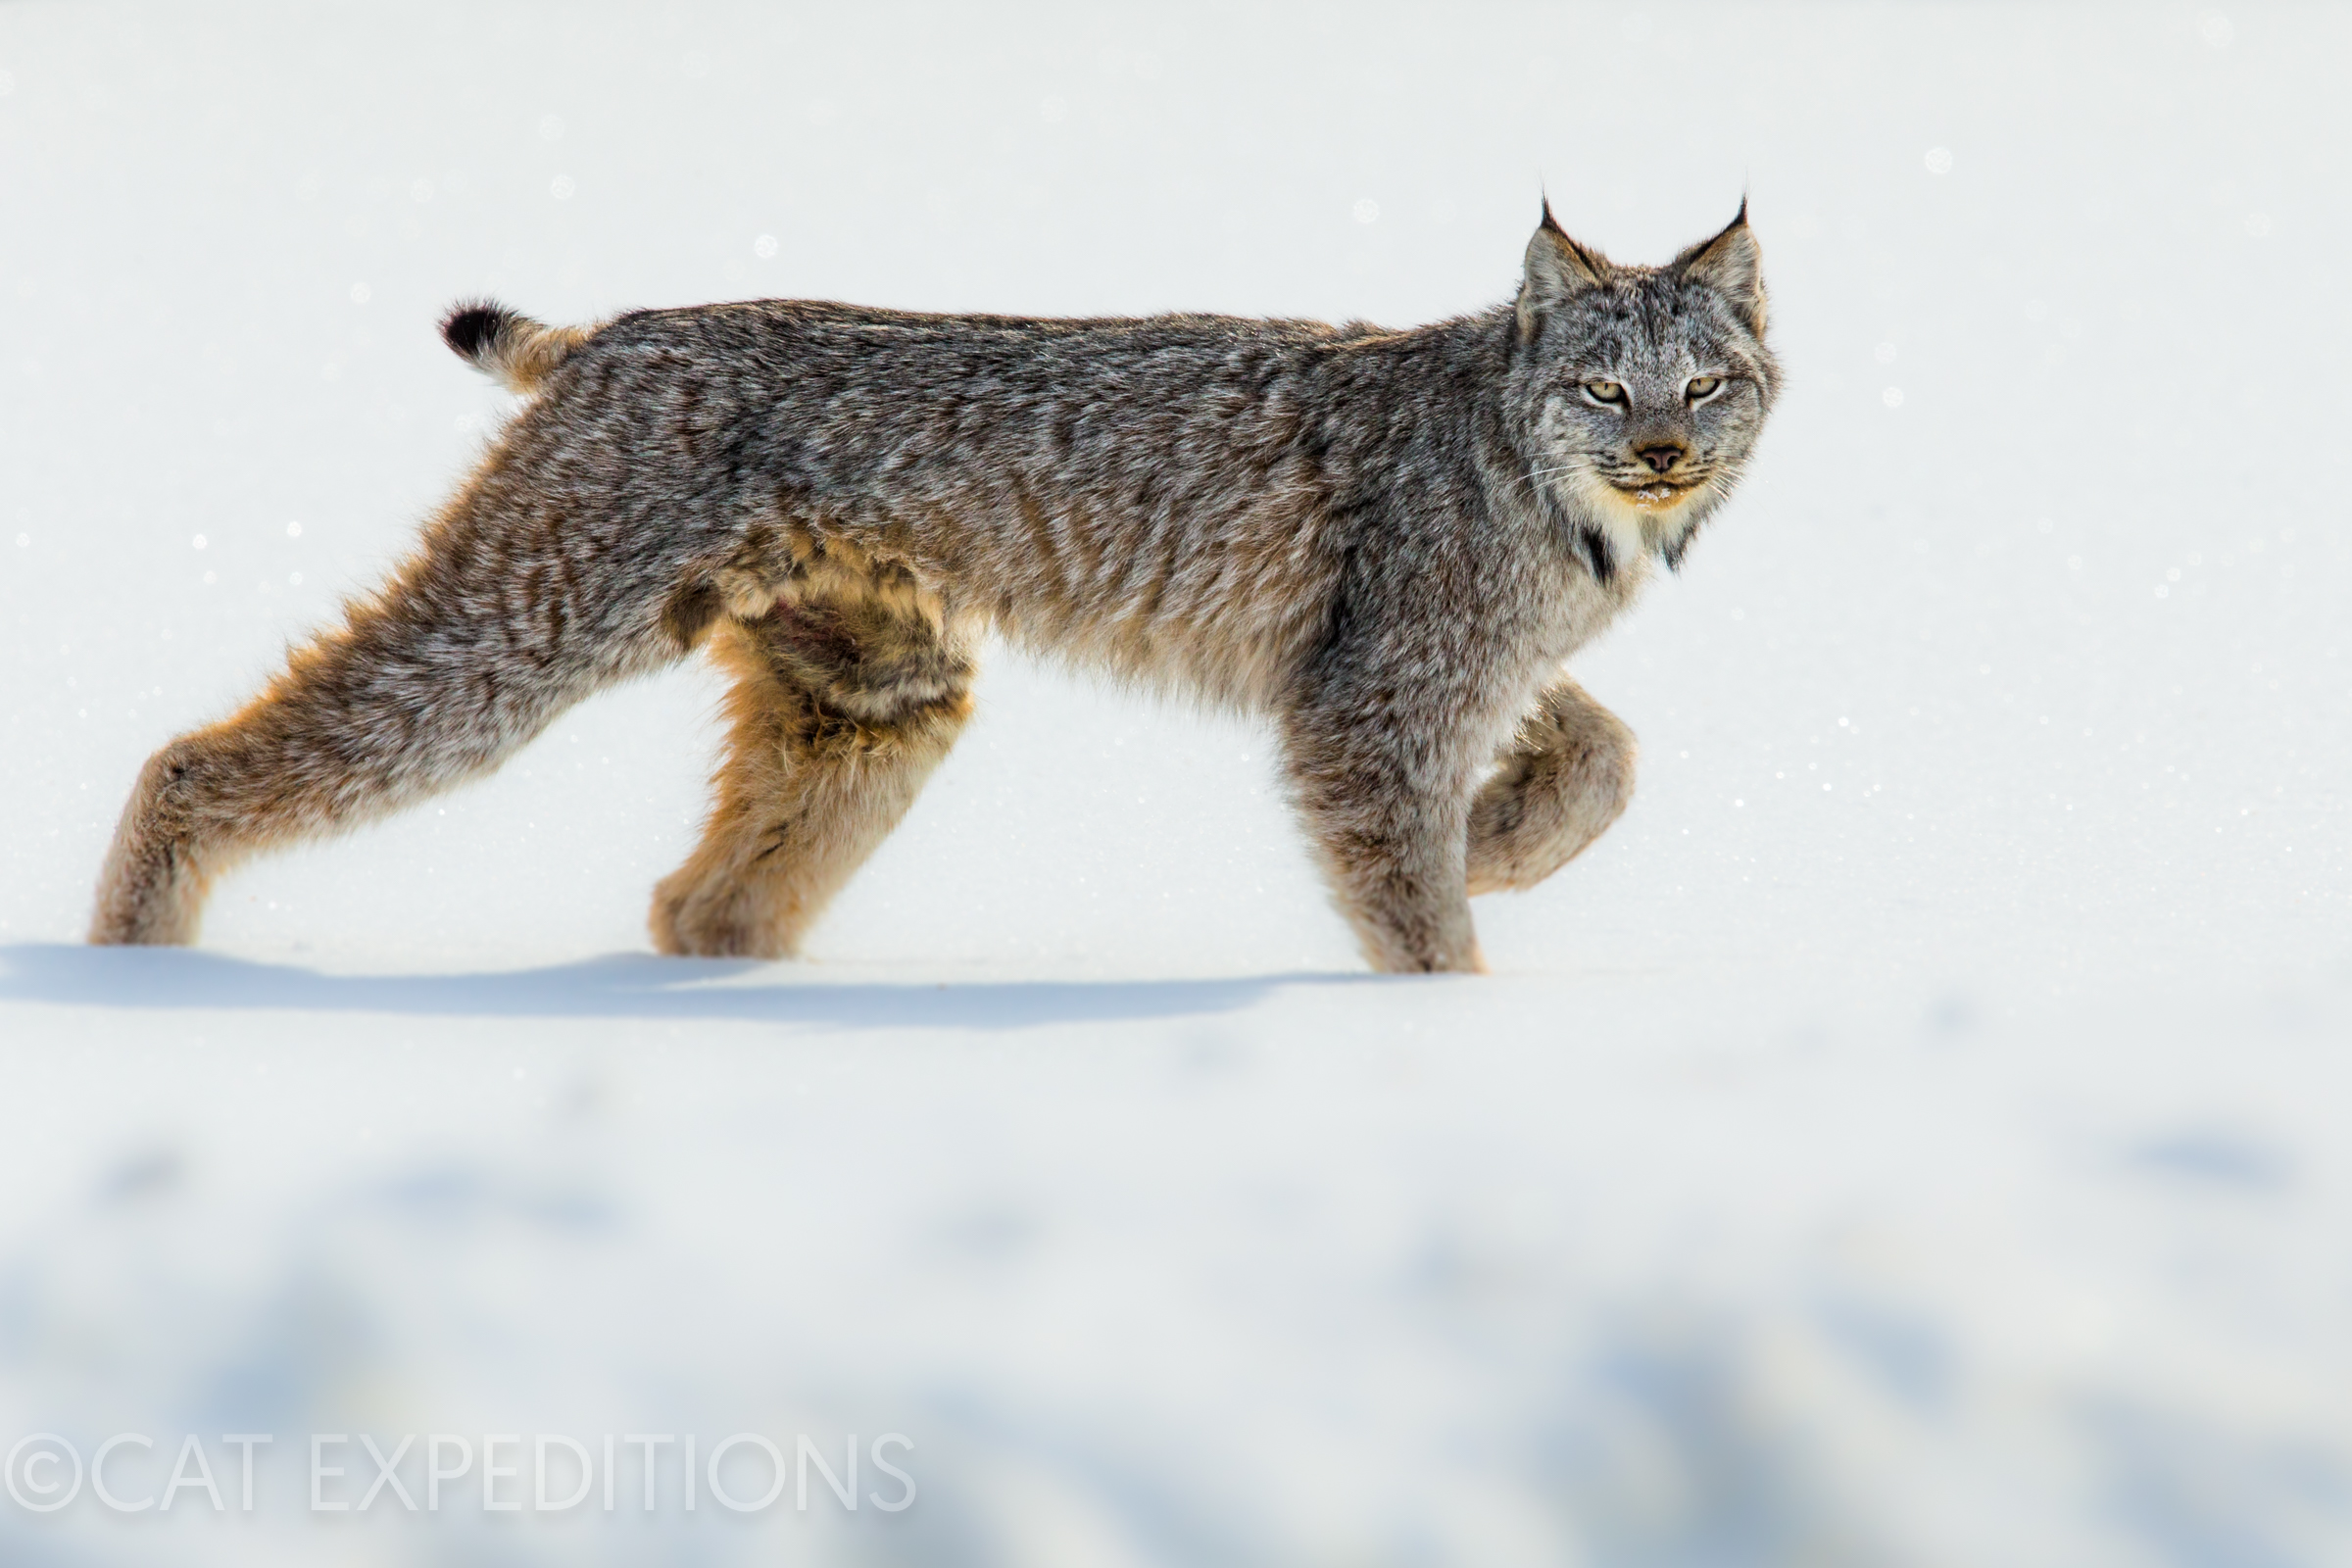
1661 458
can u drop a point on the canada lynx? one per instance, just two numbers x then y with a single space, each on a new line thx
1387 542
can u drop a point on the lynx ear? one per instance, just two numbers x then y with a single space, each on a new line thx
1558 268
1730 263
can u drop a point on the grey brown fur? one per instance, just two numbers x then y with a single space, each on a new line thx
1385 542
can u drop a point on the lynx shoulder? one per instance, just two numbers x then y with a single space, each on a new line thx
1385 543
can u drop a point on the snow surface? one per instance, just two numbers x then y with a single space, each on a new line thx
1916 1135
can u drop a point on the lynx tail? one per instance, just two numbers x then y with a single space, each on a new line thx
514 350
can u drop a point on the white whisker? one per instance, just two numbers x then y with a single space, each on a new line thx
1537 473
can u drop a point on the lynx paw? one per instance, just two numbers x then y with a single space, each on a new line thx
693 921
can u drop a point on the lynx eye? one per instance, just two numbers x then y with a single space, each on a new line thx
1604 391
1704 386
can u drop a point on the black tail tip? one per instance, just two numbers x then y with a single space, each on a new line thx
474 325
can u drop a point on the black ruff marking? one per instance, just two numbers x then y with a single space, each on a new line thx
1598 554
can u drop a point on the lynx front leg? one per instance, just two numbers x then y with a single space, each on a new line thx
1566 776
1387 820
839 713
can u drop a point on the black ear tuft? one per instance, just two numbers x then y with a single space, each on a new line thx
1732 265
473 325
1558 268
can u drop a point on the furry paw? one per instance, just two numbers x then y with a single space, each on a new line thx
690 919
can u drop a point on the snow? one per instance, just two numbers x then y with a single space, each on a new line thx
1915 1135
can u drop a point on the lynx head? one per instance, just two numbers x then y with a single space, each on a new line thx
1640 390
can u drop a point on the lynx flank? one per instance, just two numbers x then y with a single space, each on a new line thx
1385 542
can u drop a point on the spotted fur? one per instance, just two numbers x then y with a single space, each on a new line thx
1385 542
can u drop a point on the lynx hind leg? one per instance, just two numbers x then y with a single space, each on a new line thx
473 649
1566 776
842 707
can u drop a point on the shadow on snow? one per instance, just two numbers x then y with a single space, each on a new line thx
616 986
